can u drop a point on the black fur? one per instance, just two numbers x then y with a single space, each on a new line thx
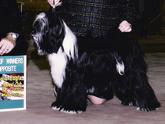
54 30
95 72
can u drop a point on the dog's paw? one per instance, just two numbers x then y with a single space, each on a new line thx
70 111
60 108
67 111
55 108
147 109
128 103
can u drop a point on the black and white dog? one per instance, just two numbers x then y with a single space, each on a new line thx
92 67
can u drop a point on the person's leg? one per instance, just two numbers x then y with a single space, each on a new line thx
96 100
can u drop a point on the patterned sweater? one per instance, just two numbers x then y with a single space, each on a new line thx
97 16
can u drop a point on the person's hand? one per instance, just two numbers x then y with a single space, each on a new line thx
125 26
6 45
57 3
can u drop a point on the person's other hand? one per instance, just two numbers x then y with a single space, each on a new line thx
125 26
57 3
6 45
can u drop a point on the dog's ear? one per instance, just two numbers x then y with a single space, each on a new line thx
55 33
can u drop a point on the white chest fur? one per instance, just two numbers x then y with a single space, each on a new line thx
58 61
58 64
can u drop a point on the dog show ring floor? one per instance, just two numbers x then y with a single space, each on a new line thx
40 95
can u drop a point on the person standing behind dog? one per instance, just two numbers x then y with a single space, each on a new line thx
12 40
95 18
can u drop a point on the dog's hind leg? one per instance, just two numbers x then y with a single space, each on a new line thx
134 89
123 90
143 94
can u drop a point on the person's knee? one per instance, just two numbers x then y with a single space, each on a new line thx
96 100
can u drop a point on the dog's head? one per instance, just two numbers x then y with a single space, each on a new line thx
47 33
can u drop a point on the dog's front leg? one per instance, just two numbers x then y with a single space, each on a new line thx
71 98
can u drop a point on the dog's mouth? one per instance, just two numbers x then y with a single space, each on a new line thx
35 40
34 37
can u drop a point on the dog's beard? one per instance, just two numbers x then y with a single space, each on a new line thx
36 39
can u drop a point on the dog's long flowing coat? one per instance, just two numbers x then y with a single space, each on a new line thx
92 67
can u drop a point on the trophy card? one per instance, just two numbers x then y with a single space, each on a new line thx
12 83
